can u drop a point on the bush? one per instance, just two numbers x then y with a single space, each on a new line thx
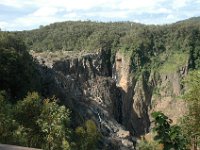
87 136
34 122
149 145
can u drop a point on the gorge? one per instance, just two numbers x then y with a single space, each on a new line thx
115 74
111 95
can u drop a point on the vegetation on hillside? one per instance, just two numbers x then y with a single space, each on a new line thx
171 136
143 43
191 121
185 135
30 119
162 48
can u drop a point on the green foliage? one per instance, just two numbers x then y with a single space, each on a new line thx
149 145
162 126
191 121
34 122
7 124
75 36
174 62
140 42
30 109
53 121
42 123
17 70
87 135
170 136
158 47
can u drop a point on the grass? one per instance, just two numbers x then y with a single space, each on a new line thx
126 52
174 62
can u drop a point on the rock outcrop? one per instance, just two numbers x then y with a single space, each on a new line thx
83 83
136 96
116 98
167 96
149 91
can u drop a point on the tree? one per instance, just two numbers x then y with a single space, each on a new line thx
149 145
17 68
170 136
191 121
7 124
87 135
43 122
27 112
53 122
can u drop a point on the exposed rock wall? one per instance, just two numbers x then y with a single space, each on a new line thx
167 98
150 91
124 102
136 96
84 84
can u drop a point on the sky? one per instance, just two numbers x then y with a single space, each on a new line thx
30 14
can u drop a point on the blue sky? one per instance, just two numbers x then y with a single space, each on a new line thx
30 14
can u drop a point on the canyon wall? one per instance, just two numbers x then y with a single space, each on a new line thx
152 90
83 82
118 99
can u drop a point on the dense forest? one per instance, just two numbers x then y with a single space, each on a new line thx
144 43
49 127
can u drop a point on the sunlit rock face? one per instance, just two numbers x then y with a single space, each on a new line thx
154 90
136 96
117 98
84 83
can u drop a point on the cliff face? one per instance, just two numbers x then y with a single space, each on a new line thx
168 91
154 90
116 98
136 96
83 82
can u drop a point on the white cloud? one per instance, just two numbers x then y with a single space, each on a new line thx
84 5
171 17
67 4
12 3
141 4
177 4
114 14
159 11
43 12
72 5
109 14
3 25
72 16
28 21
16 3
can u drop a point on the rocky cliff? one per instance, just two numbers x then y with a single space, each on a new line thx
83 82
136 96
118 99
157 89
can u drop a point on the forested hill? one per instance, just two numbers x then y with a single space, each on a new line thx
92 35
147 62
78 35
145 41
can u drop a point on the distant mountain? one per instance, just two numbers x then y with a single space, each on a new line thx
193 19
190 20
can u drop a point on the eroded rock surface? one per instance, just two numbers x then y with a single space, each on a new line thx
114 96
84 84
